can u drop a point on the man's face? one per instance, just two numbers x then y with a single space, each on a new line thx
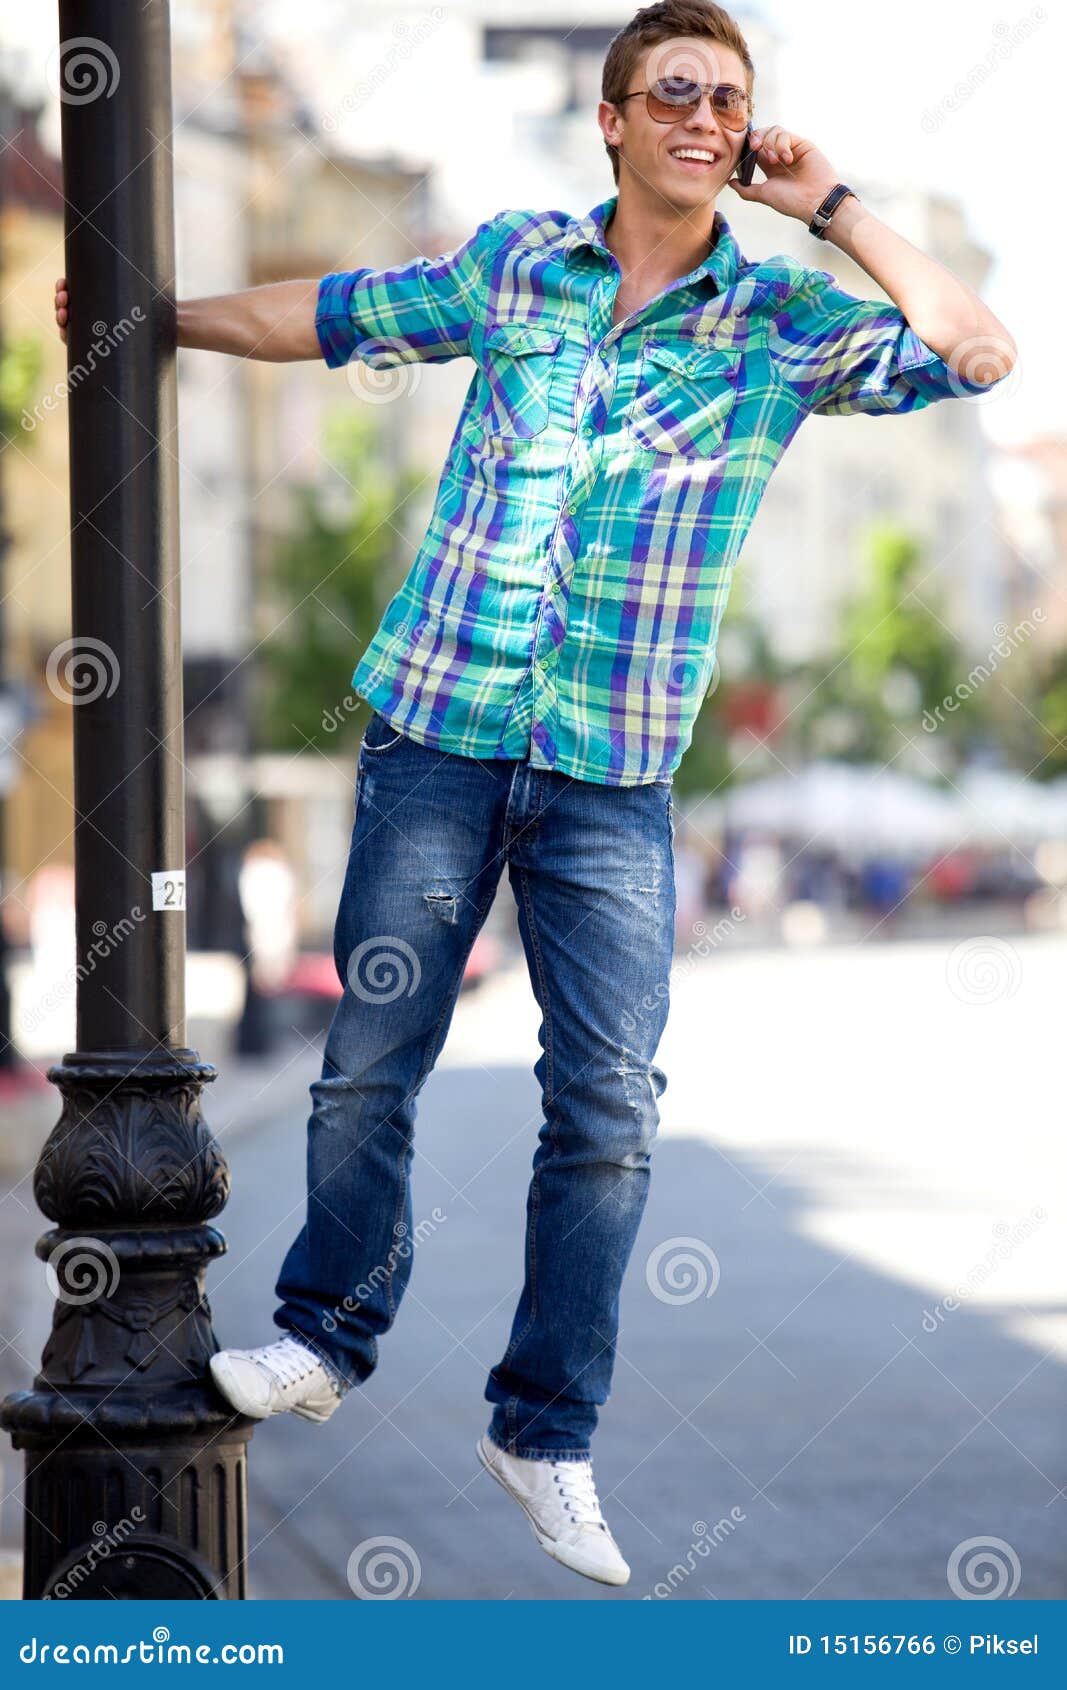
651 151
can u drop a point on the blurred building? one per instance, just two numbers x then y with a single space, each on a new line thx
929 471
1030 482
33 467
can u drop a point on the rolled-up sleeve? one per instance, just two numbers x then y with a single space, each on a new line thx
840 354
418 312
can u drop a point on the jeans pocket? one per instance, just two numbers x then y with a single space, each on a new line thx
379 736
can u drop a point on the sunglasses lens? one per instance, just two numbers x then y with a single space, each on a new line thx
673 97
730 106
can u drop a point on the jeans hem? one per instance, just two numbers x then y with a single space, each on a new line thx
528 1454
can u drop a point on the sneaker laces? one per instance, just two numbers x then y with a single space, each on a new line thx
574 1480
288 1361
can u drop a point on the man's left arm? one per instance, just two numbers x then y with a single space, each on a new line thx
943 311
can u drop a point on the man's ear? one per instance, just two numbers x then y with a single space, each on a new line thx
611 123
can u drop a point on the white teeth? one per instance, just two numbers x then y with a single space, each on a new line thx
693 152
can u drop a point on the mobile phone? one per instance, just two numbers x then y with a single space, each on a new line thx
746 163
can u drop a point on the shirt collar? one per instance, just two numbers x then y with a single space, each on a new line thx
723 263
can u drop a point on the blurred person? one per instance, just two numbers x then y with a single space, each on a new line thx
266 889
536 678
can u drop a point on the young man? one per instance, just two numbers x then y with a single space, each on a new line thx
535 682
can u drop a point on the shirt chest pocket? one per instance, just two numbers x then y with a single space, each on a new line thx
518 370
684 397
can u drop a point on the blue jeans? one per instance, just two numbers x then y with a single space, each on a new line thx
592 870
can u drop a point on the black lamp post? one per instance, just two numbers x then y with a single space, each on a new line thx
135 1466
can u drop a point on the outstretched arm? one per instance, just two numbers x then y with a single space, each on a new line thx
275 323
943 311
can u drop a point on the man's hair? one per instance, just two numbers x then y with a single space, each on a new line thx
654 24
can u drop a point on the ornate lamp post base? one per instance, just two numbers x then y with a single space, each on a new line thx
135 1465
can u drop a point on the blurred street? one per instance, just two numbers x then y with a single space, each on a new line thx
858 1161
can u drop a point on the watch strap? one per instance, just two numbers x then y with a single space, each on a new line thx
825 211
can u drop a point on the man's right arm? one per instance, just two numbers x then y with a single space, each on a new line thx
275 323
420 310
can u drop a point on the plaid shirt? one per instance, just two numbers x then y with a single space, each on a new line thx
565 603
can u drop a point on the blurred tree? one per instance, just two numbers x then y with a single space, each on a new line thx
21 361
742 709
327 585
1046 714
885 680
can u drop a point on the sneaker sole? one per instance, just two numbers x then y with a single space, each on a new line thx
558 1552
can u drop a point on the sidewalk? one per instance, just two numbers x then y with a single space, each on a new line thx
844 1342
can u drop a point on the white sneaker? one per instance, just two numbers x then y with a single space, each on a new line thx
559 1499
286 1377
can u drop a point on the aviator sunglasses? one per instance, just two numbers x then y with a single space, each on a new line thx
672 97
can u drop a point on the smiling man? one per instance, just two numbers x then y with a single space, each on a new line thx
535 681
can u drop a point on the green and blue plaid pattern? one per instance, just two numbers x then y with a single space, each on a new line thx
565 603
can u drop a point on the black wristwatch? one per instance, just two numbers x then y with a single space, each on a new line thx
825 211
